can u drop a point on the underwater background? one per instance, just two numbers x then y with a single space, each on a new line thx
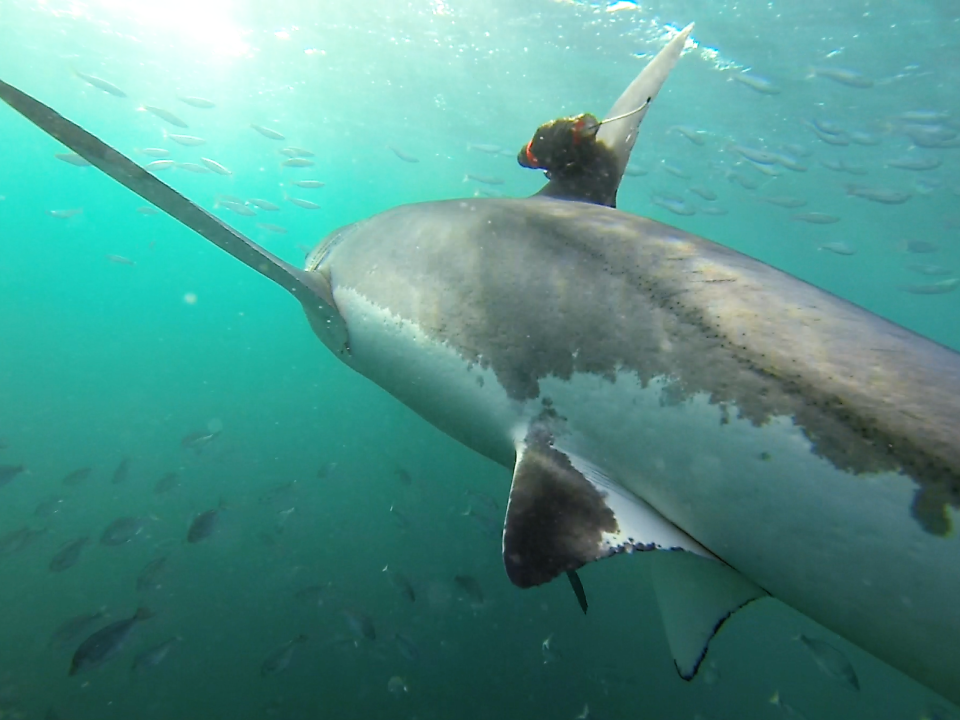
351 564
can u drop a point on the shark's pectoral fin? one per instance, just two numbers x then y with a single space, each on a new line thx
564 513
696 595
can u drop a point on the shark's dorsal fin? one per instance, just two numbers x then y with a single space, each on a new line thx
585 158
564 512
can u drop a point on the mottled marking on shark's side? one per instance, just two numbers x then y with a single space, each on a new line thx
654 393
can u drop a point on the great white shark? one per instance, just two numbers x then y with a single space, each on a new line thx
653 392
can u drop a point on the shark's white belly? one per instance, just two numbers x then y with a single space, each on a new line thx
841 548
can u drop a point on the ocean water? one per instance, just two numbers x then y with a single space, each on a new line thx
320 478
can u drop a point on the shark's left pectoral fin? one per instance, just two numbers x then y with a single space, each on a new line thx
564 513
696 596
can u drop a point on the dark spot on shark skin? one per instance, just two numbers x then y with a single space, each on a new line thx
546 289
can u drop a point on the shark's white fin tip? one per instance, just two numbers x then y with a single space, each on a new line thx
696 596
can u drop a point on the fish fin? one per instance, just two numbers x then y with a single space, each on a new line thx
621 135
564 513
696 596
577 590
310 288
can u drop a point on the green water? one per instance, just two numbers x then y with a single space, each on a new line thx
100 360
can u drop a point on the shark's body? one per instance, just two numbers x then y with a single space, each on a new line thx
808 443
652 390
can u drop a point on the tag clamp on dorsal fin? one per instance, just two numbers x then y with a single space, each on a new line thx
578 164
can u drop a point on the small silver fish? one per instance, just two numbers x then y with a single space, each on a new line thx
194 168
864 138
9 472
674 206
279 660
100 84
788 711
675 171
880 195
753 154
831 661
64 214
203 525
147 210
406 157
147 579
18 540
151 657
402 584
185 140
844 76
937 288
293 152
69 630
471 587
267 132
216 167
920 246
122 530
106 643
407 647
68 555
485 148
485 179
238 208
756 83
839 248
790 163
154 152
72 159
75 477
634 171
816 218
549 652
917 164
158 165
263 204
742 180
360 624
929 270
49 507
270 227
120 260
305 204
692 134
828 126
166 483
841 139
122 472
165 115
197 102
713 210
311 184
784 201
298 162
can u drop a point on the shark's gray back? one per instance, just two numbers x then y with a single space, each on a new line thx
538 287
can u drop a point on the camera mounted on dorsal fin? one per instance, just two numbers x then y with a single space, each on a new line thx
562 145
578 164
